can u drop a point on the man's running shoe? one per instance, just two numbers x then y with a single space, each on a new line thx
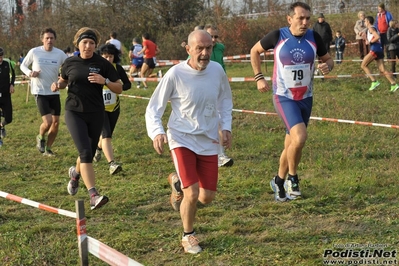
3 132
114 168
73 184
374 85
224 161
190 244
177 193
292 187
1 143
394 87
279 191
97 155
96 201
40 144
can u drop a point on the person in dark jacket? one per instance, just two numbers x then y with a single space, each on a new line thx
393 44
339 44
324 30
7 79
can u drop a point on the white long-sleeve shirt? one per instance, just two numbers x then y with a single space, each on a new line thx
200 100
48 63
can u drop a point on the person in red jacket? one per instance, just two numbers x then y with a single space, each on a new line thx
382 24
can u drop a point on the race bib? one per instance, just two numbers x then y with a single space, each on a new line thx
296 76
109 97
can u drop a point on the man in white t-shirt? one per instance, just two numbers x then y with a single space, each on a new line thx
115 41
45 62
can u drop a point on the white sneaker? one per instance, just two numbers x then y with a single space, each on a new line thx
292 188
190 244
225 161
114 168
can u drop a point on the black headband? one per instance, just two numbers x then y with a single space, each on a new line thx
87 35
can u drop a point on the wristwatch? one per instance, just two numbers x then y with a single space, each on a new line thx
107 81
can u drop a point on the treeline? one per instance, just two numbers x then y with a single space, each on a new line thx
167 21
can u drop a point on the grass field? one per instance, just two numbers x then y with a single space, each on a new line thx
348 173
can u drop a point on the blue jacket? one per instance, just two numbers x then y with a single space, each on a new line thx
339 43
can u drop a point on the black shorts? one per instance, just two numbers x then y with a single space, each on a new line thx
48 104
149 62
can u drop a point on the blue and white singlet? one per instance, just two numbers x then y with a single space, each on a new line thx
294 59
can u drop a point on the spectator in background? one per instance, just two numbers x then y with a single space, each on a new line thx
360 30
376 54
68 51
21 58
341 6
393 44
85 75
112 109
324 30
76 51
198 27
12 62
382 24
136 58
217 56
149 51
339 44
113 40
45 62
7 79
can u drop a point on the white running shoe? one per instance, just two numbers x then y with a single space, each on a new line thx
225 161
190 244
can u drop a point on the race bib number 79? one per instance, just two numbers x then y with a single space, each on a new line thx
297 75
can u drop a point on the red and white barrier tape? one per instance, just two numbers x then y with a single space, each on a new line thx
98 249
312 117
352 75
108 254
326 119
245 79
132 96
22 82
37 205
234 79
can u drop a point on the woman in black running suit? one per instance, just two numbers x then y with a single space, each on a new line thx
85 75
